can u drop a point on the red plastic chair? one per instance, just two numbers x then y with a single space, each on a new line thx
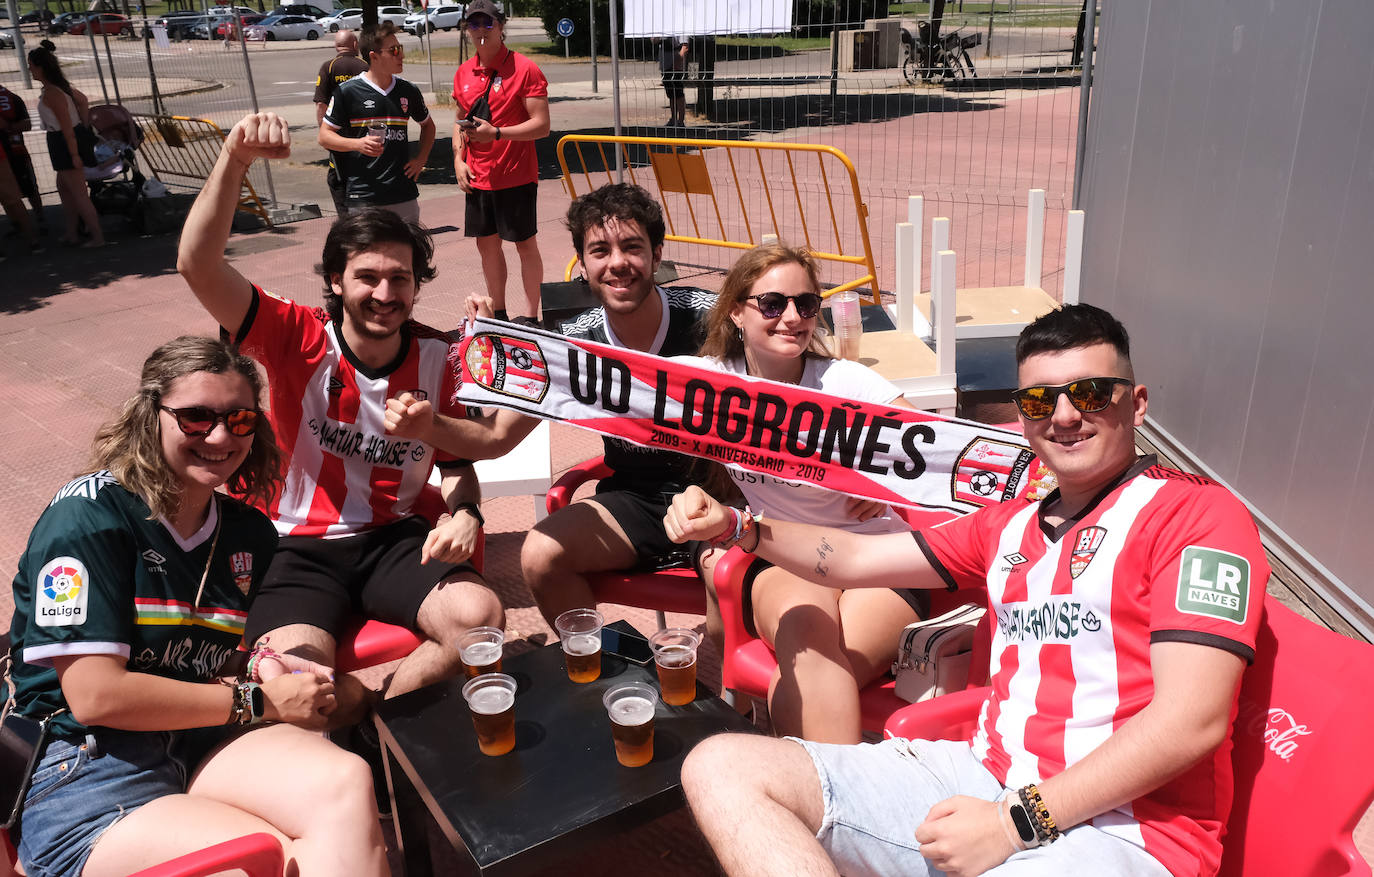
748 665
669 590
257 855
367 642
1304 769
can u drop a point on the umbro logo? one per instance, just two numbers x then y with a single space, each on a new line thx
155 561
335 385
1012 560
369 104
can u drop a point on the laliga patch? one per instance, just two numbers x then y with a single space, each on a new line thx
60 597
509 366
1213 583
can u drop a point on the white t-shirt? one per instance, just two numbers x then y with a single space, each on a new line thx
797 501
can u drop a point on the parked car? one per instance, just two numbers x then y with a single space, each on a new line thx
305 9
344 18
248 18
438 17
230 10
40 18
285 27
103 23
6 38
352 19
60 24
180 24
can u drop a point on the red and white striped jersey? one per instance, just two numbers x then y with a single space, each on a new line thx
1160 556
344 472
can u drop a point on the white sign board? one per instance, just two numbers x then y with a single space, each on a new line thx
657 18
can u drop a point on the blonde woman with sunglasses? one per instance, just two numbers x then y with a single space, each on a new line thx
829 643
129 607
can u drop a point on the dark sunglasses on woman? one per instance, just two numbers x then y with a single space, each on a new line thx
1088 395
774 304
200 420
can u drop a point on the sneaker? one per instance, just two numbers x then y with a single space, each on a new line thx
361 740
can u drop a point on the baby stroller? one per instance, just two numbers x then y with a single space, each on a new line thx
115 181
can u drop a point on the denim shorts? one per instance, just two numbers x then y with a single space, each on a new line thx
876 794
83 786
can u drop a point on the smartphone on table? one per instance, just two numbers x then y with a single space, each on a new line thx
620 638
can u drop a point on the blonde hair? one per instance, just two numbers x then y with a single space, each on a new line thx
723 339
130 446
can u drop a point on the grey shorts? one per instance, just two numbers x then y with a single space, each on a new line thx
876 794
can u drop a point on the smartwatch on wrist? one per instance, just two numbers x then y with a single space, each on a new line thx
474 509
251 703
1025 828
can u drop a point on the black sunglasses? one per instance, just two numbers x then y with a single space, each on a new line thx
774 304
479 24
1088 395
199 420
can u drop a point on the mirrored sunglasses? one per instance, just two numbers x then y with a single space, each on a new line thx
200 420
480 24
1088 395
396 50
774 304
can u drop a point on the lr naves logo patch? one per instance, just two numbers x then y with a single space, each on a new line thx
1213 583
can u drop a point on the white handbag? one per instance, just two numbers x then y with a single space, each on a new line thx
933 656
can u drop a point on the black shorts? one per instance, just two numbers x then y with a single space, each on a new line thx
916 598
641 517
507 212
22 165
58 152
321 582
673 81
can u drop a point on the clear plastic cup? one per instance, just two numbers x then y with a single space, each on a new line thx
848 319
675 654
378 130
491 699
480 649
580 632
631 710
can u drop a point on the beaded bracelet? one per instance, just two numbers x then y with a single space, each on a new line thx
252 672
1045 828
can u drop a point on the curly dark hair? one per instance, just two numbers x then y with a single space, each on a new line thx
370 39
623 201
130 446
362 230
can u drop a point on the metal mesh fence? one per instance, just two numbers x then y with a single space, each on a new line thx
972 117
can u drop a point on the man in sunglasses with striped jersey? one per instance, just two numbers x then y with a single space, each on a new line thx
350 535
366 129
1126 603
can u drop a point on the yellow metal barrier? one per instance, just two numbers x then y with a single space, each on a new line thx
691 172
185 148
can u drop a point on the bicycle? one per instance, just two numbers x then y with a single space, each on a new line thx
949 58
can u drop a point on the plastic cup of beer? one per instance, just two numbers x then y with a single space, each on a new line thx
378 130
480 649
580 631
631 708
675 653
491 698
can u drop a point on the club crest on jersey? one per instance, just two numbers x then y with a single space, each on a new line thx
420 395
241 562
988 471
507 365
405 104
1085 545
63 587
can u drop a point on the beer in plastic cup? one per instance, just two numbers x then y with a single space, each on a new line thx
378 130
631 709
848 319
675 653
491 698
480 649
580 631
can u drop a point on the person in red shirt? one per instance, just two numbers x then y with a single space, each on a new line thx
503 107
1127 604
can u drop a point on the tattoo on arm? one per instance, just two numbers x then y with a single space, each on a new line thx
823 552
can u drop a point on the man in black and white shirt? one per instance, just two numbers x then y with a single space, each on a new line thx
365 129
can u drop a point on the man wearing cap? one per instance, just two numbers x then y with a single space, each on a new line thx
503 107
335 72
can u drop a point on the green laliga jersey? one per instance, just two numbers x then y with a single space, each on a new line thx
99 578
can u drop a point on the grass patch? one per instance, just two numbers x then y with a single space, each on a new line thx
787 44
957 14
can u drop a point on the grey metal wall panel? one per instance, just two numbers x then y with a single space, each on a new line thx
1234 233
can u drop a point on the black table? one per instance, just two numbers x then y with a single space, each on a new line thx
560 788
